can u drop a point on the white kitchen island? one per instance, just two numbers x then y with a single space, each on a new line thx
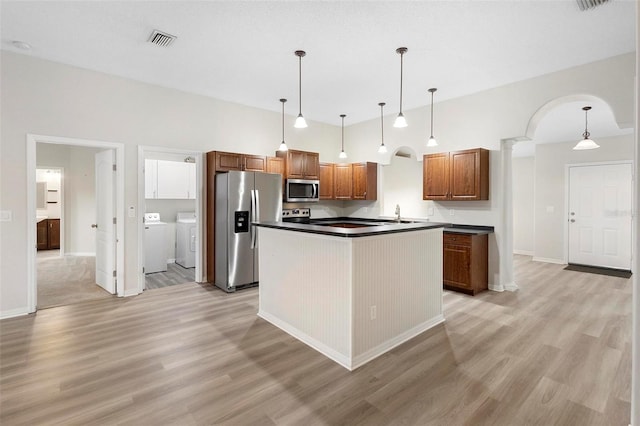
351 294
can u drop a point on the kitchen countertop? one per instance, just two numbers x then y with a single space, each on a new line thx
372 227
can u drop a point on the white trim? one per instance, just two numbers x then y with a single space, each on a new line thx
19 312
200 209
31 141
512 286
81 253
523 252
342 359
496 287
384 347
549 260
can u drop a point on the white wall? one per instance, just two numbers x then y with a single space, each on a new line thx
523 205
399 187
550 186
53 181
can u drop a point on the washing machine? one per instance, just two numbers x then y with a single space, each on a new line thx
155 244
186 232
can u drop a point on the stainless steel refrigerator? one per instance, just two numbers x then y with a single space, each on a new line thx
242 198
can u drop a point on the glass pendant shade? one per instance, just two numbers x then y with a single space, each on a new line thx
342 154
586 142
400 121
432 142
300 123
382 149
283 145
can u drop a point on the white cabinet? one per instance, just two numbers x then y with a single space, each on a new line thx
170 180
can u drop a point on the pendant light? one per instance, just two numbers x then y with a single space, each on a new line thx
586 142
283 145
300 121
342 153
382 149
400 120
432 141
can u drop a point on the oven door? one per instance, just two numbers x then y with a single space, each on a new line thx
302 191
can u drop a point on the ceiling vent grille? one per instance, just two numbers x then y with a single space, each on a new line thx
161 39
589 4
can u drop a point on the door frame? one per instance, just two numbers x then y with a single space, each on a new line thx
200 200
566 201
32 140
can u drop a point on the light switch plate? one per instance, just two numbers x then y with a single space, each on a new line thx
132 211
452 212
550 209
5 216
430 211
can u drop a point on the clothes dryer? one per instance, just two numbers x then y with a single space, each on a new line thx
186 239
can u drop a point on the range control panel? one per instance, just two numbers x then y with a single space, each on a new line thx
295 213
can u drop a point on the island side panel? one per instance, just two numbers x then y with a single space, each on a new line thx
305 288
401 276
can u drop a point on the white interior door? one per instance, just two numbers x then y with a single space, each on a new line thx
105 215
600 215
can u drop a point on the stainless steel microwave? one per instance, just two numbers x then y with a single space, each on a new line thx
302 191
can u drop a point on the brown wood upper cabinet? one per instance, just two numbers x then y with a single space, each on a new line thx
228 161
456 176
343 184
300 164
365 181
275 165
327 181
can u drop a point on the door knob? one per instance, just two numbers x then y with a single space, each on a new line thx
572 220
94 225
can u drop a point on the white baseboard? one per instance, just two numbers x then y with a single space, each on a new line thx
129 293
80 253
14 313
384 347
549 260
523 252
171 261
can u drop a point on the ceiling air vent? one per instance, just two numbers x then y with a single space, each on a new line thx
161 39
589 4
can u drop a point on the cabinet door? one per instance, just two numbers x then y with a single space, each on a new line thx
327 191
54 233
227 161
469 175
295 164
311 165
254 163
173 177
275 165
435 175
456 268
150 178
344 181
365 181
42 234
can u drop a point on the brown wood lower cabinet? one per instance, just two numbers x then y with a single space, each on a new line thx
48 234
465 262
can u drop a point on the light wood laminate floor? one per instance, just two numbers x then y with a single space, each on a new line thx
556 352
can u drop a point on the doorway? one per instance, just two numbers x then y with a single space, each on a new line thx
599 219
170 205
63 277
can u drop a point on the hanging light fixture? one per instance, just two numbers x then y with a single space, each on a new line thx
300 121
586 142
382 149
432 141
342 153
283 145
400 120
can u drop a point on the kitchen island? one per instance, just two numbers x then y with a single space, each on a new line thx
352 292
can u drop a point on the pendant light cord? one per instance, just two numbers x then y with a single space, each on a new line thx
300 83
432 113
283 101
401 73
586 133
382 123
342 116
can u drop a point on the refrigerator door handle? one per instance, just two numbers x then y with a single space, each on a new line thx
253 218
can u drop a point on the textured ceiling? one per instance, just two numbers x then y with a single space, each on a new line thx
243 51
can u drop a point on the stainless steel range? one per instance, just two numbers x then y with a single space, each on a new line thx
296 215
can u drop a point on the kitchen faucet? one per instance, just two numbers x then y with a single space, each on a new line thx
398 212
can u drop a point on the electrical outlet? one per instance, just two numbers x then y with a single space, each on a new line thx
430 211
451 212
374 312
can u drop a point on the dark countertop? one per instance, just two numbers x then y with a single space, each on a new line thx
366 227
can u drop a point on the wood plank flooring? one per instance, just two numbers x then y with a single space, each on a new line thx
556 352
174 275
